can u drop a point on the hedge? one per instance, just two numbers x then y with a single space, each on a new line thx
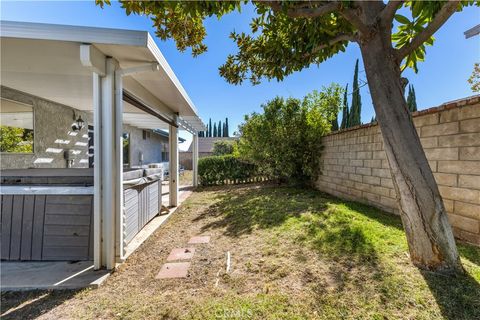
225 170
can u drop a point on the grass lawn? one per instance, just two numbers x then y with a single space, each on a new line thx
296 254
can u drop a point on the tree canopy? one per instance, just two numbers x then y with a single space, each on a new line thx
474 79
288 36
283 140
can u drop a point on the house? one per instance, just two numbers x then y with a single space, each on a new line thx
145 146
86 115
60 146
205 149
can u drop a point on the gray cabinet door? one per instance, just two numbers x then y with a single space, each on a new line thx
46 227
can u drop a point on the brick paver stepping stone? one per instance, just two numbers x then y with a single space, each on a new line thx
173 270
181 254
199 240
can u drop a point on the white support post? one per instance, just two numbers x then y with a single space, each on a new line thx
119 208
109 163
195 159
173 164
97 173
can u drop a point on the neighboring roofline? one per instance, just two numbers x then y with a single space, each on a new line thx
166 135
83 34
201 141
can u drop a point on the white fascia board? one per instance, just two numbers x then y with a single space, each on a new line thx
152 46
43 31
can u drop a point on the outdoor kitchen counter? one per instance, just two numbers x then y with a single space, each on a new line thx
47 214
44 190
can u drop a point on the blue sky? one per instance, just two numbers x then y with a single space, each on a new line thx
441 78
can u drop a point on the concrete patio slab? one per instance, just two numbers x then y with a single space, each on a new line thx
17 276
199 240
181 254
173 270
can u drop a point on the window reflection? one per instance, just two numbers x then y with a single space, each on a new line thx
16 127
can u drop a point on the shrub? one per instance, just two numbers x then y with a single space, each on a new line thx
284 140
224 169
222 147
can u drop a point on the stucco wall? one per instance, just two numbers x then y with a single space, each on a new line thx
52 135
151 147
354 164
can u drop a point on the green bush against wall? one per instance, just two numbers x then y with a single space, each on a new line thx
225 169
284 141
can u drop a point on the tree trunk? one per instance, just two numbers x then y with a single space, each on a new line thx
429 235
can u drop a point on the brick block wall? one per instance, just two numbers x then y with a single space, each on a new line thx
354 165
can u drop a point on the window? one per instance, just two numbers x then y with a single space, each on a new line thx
16 127
164 152
145 134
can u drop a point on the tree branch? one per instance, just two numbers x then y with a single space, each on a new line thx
440 18
338 38
304 11
353 17
389 11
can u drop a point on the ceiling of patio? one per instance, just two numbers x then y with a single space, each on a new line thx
51 69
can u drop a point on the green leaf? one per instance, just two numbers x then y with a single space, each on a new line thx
402 19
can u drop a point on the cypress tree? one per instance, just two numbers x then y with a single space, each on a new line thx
414 103
356 108
214 129
411 99
210 127
345 115
226 133
335 123
219 129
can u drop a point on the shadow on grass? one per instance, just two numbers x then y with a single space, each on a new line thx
263 207
349 236
32 304
387 219
458 297
327 231
242 209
